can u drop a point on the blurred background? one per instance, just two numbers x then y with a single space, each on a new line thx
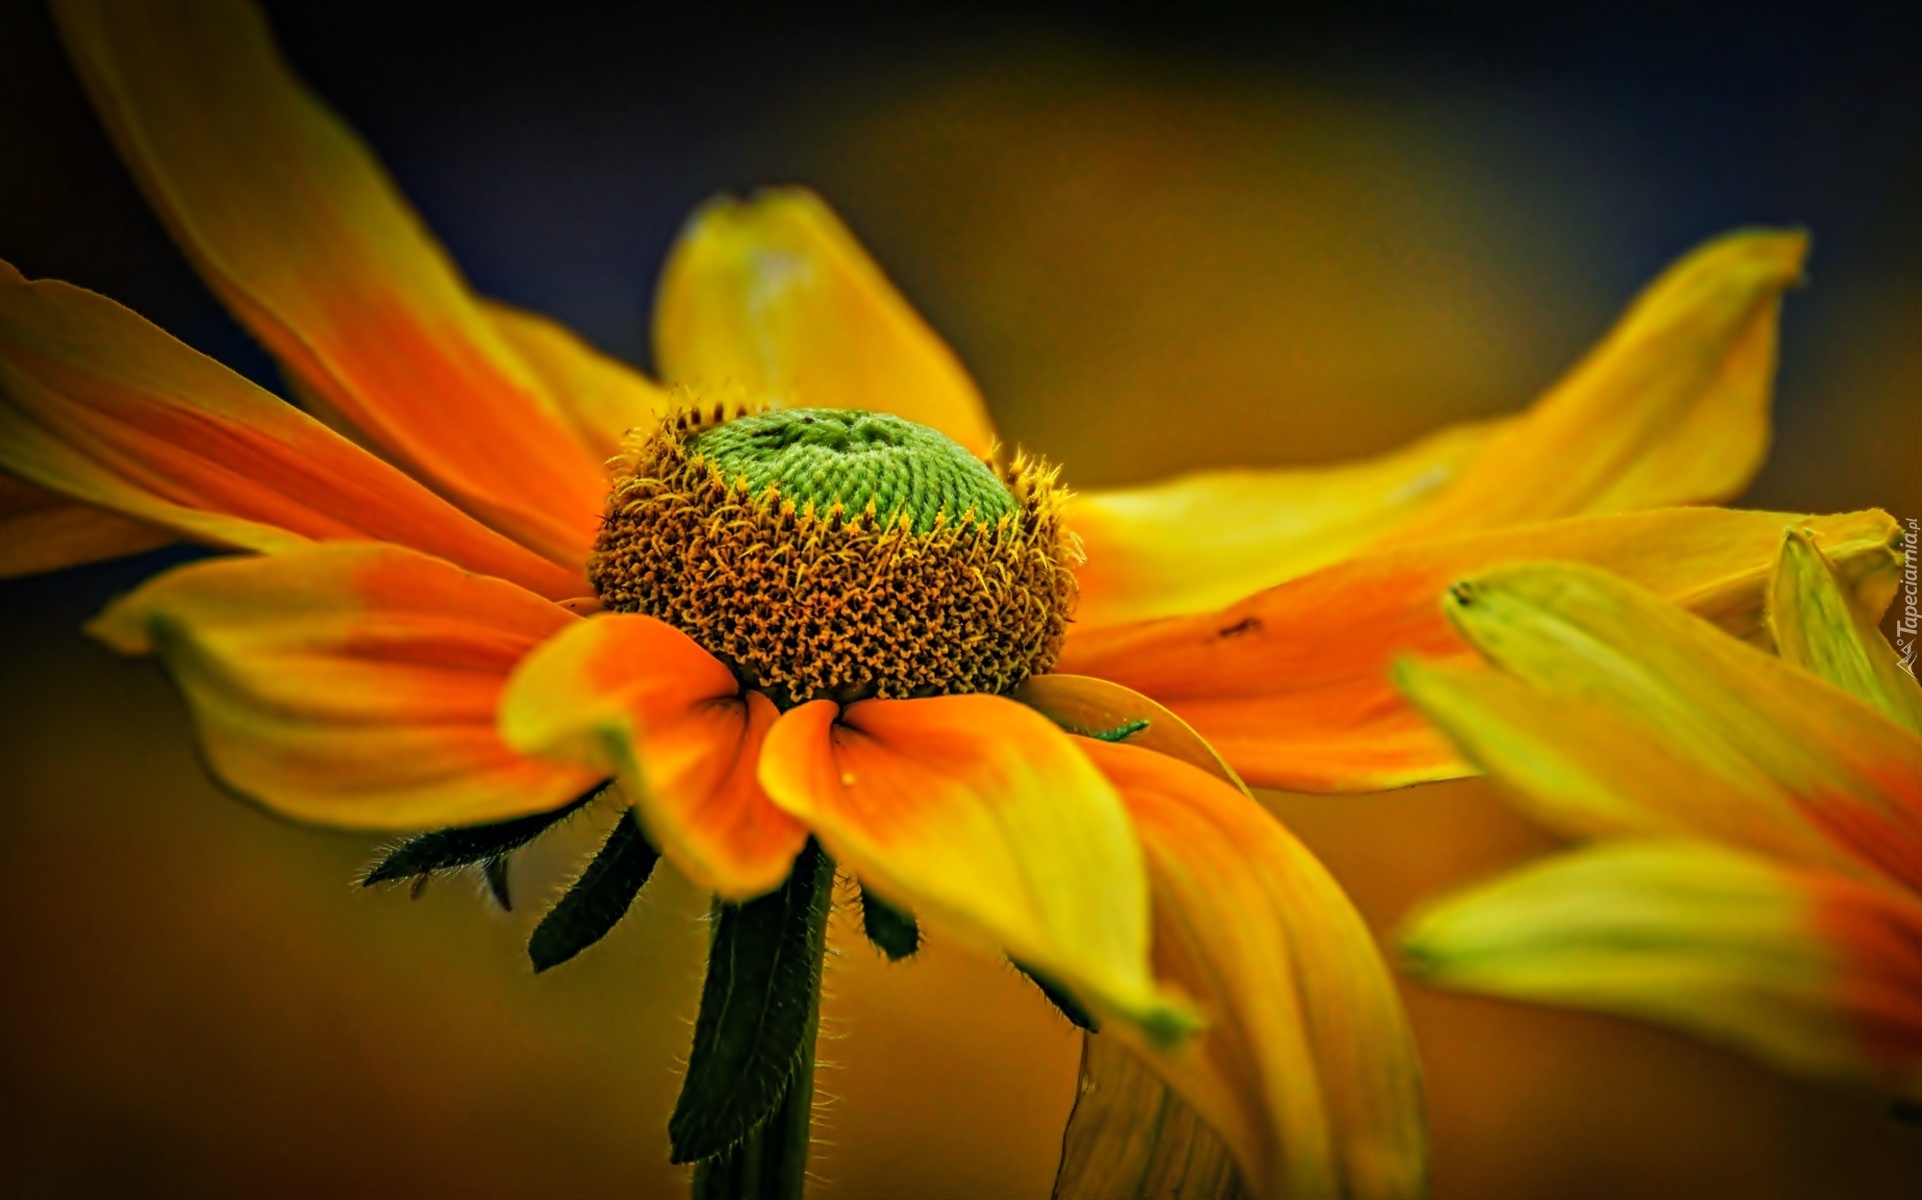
1159 244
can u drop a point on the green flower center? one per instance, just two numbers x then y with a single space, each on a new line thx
856 459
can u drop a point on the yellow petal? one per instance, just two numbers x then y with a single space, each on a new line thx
1655 709
1811 973
1130 1135
1209 539
1818 626
978 813
100 406
633 697
45 531
601 396
1292 685
351 684
774 296
1670 408
295 226
1082 704
1307 1069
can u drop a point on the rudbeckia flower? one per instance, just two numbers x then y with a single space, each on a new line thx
803 616
1756 877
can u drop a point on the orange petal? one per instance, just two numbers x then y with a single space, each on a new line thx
100 406
774 296
45 531
1292 685
351 684
1082 704
296 227
1614 700
1671 408
1307 1069
601 396
976 812
1209 539
1810 972
634 697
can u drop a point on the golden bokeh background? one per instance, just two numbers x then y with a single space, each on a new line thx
1156 252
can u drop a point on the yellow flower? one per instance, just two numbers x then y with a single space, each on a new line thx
410 640
1758 880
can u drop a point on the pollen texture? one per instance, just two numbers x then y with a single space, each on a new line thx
826 553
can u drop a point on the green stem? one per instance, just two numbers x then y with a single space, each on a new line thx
770 1163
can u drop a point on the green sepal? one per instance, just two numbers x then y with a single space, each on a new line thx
759 1007
599 898
470 845
1063 1000
892 930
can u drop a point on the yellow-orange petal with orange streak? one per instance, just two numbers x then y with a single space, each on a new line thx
1308 1068
102 407
45 531
1292 685
1671 407
1206 540
1730 741
977 813
636 698
1808 971
601 396
351 684
296 227
775 297
1817 625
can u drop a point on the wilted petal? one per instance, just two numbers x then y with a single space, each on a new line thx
1627 702
1131 1135
1811 972
635 697
351 684
1292 685
976 812
774 296
299 231
99 405
1819 626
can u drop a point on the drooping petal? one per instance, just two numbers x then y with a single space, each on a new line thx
1672 407
1631 703
1131 1135
1817 625
976 812
100 406
1810 972
351 684
636 698
774 296
295 226
601 396
44 531
1307 1069
1206 540
1292 685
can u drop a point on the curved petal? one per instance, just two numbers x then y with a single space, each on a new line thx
1810 972
1818 626
1130 1135
351 684
975 811
101 406
1618 704
1307 1069
44 531
1672 407
775 296
635 697
1090 707
1206 540
1292 685
601 396
296 227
